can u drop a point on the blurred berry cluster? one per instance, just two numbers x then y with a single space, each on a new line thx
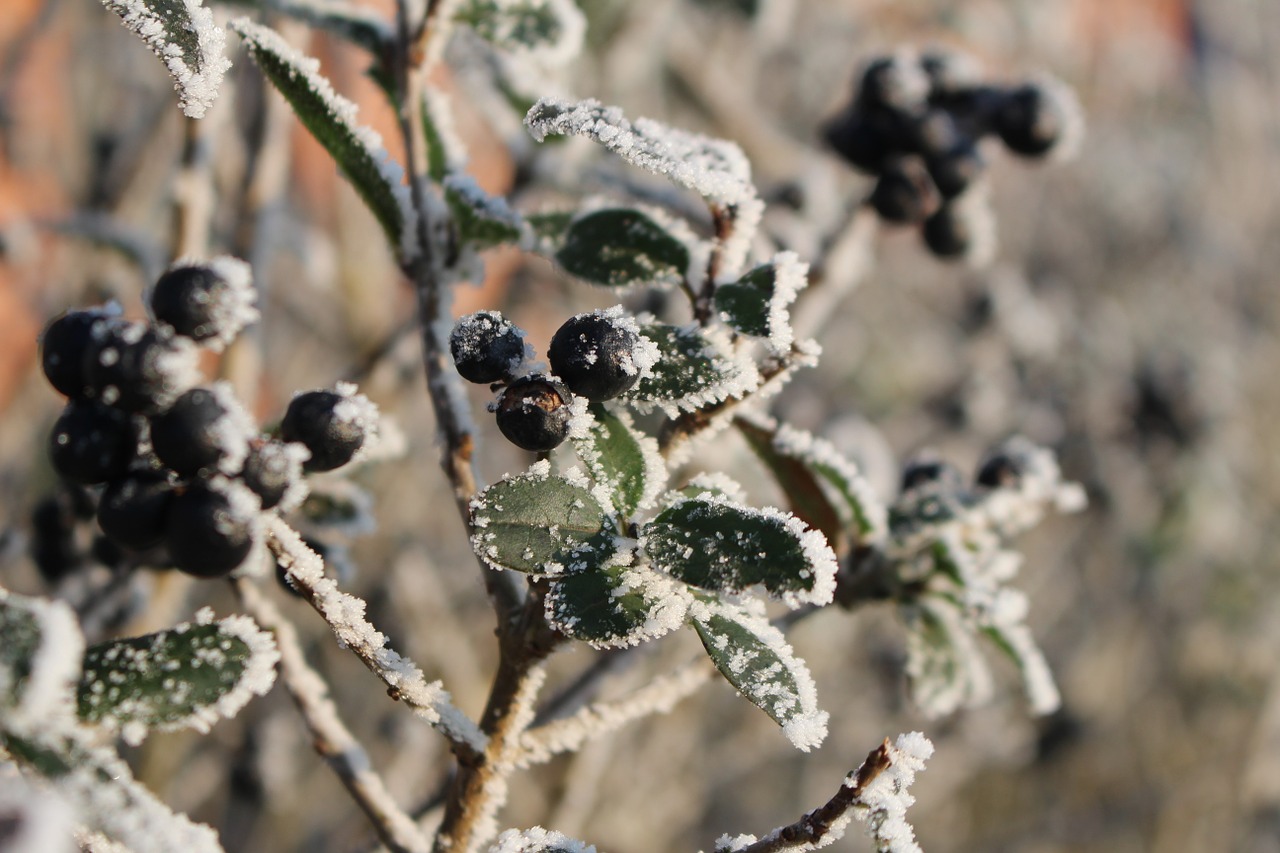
916 123
177 471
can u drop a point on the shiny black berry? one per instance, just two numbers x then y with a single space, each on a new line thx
204 429
332 426
929 471
207 533
905 193
957 169
1031 120
864 142
133 509
62 350
1000 470
533 413
204 301
132 367
953 232
594 355
270 470
486 347
895 83
92 442
931 134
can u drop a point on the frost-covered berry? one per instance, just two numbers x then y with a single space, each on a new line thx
92 442
895 83
205 429
594 354
207 302
1035 118
950 72
131 366
486 347
928 470
210 528
333 425
931 134
63 346
273 470
134 508
905 193
963 228
956 170
864 142
1000 470
533 413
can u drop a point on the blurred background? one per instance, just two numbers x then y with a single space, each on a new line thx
1129 321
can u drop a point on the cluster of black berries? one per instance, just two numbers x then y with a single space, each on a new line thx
929 472
594 356
180 470
916 122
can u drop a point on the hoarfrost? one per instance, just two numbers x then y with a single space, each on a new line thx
234 307
538 840
883 802
48 692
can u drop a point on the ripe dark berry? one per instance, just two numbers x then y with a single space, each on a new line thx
895 83
133 509
533 413
130 366
864 142
931 134
62 350
950 73
204 429
210 531
961 229
595 354
92 442
956 170
208 302
905 193
1033 119
272 469
486 347
332 425
1000 470
928 470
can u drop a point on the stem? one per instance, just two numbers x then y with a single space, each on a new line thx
330 737
723 219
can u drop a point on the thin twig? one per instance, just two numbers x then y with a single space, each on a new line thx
330 737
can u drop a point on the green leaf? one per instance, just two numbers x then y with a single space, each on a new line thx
823 487
722 546
540 524
330 118
615 606
617 247
440 154
756 659
549 29
188 677
185 36
622 458
482 220
694 370
744 304
40 649
360 26
945 670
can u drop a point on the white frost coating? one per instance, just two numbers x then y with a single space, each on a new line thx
492 207
34 821
1067 105
48 695
666 603
655 468
197 86
343 112
796 710
357 409
235 307
233 430
706 485
734 375
537 840
883 802
965 680
454 151
506 24
790 276
345 615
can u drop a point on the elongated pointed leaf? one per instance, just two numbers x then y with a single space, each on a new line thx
188 677
331 119
358 25
185 36
40 650
758 303
617 247
540 524
694 369
483 220
756 659
616 606
725 547
622 458
945 669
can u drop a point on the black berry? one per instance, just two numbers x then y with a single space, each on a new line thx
956 170
861 140
896 83
271 469
1032 119
953 231
62 350
929 471
932 133
207 533
533 413
332 426
1000 470
132 367
486 347
53 539
204 429
92 442
905 193
204 302
133 509
594 355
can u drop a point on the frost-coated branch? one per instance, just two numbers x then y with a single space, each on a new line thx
330 737
345 614
568 735
874 794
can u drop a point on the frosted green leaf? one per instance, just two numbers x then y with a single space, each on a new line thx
40 651
945 670
482 220
185 36
694 369
188 677
756 659
623 459
617 247
718 545
548 30
540 524
331 119
615 606
358 25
